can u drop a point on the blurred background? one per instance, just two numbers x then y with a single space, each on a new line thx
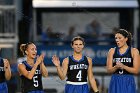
51 24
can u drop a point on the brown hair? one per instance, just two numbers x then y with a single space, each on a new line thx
77 38
126 34
23 47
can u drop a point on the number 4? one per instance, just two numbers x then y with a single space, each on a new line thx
79 75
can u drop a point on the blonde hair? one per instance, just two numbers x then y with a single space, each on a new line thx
23 47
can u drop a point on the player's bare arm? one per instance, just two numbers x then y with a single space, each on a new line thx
61 70
135 56
91 77
43 67
110 67
27 74
7 69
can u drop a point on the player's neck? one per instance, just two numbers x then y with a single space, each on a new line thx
123 49
30 61
77 56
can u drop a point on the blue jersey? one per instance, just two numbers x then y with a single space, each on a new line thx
122 81
33 85
77 76
3 85
77 70
2 72
125 59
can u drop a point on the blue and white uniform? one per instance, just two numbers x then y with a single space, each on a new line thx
77 76
3 85
122 81
35 84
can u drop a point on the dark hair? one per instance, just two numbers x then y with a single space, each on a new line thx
23 47
77 38
126 34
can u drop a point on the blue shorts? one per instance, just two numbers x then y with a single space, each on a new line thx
69 88
37 91
122 84
3 87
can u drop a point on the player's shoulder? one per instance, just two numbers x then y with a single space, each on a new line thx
89 58
112 50
134 50
66 59
21 64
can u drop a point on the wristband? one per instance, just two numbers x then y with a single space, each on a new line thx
97 91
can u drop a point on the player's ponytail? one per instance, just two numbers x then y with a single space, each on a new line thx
23 47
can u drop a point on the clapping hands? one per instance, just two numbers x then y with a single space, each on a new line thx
40 59
56 60
119 65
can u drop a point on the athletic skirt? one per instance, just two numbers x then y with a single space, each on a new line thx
76 88
3 87
122 84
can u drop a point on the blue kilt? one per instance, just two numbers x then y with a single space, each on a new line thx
122 84
3 87
69 88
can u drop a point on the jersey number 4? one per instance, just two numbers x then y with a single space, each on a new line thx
79 75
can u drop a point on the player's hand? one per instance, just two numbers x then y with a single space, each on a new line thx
120 65
55 60
6 63
39 59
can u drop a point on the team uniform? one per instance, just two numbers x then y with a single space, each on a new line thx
77 76
35 84
3 85
122 81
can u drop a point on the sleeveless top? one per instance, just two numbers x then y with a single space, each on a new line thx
35 83
2 72
77 70
125 59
